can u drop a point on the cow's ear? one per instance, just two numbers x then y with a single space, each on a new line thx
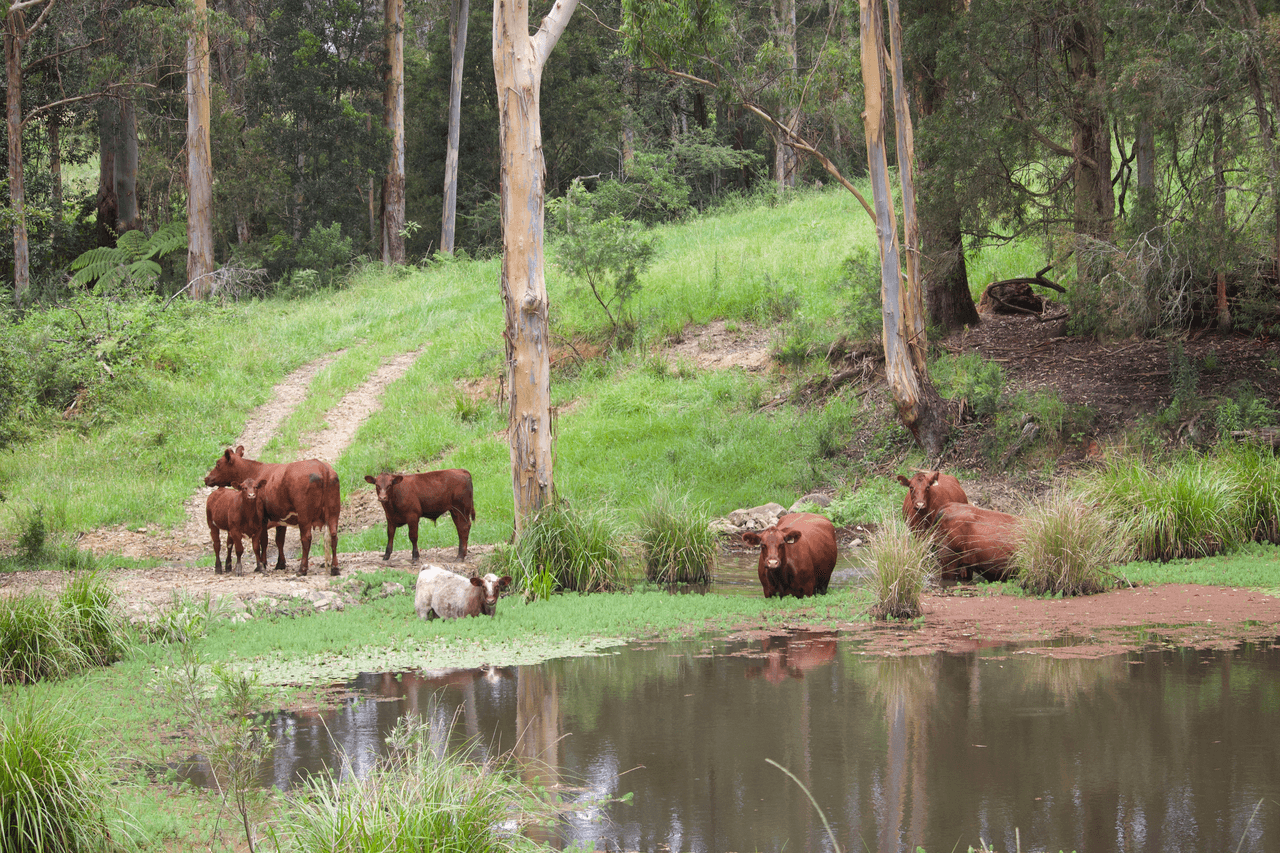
904 481
368 478
226 454
477 582
240 450
793 537
933 478
751 537
261 483
396 479
504 581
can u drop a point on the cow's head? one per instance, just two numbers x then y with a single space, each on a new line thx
249 488
383 483
492 585
773 544
225 469
918 487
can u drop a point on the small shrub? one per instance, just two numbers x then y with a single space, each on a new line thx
860 285
676 544
324 252
902 566
561 549
971 378
52 782
1067 548
874 502
34 643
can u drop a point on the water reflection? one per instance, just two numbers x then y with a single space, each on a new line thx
1166 750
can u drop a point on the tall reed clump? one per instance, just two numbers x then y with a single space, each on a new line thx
43 637
53 785
1067 548
1190 507
562 549
677 544
902 566
1258 470
410 802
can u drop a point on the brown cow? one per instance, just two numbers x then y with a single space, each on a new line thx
407 497
302 494
971 538
797 555
240 513
928 492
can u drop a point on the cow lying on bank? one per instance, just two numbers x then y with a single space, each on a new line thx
928 492
797 555
448 595
240 513
973 539
302 494
405 498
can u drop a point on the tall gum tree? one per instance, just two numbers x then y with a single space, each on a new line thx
518 60
459 11
393 120
200 264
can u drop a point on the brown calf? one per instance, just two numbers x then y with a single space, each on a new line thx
928 492
301 494
240 513
797 555
973 539
405 498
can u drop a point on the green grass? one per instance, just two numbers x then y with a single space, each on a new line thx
1067 548
677 544
902 566
45 638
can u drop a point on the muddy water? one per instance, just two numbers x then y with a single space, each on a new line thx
1168 750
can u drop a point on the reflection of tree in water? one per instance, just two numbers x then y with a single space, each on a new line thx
908 688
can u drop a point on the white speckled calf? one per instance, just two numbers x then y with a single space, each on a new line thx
449 595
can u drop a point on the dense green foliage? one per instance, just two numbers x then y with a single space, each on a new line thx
43 637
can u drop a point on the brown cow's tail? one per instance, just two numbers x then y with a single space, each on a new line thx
471 499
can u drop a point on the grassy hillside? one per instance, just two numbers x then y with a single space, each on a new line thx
628 423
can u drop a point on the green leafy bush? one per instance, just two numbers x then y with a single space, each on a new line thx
562 549
971 378
133 260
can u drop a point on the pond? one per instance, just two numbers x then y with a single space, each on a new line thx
1163 750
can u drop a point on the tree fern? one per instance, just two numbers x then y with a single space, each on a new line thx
134 257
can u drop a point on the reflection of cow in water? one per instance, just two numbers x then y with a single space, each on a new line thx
793 654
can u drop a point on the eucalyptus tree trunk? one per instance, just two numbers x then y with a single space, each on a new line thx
200 265
15 33
126 168
459 12
786 159
108 206
913 298
518 60
921 409
393 120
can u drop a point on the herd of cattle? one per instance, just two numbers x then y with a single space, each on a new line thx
797 555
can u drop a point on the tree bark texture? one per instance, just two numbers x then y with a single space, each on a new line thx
913 298
200 265
918 404
14 36
459 13
786 159
518 60
393 119
1095 204
108 208
127 168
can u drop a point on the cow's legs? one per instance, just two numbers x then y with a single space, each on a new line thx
331 549
413 536
391 537
217 549
280 549
304 532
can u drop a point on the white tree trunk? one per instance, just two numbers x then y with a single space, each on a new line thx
200 264
518 60
460 11
393 119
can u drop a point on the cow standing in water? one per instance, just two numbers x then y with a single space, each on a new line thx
301 494
797 555
928 492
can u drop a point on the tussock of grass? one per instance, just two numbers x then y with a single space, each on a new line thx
902 565
1185 506
562 549
413 801
52 786
677 546
43 638
1066 548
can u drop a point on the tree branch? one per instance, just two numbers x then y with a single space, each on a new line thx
553 26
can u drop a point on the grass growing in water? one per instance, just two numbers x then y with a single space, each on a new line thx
1067 548
413 801
902 565
563 549
677 546
52 783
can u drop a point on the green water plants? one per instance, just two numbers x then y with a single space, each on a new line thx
676 543
1067 548
902 566
565 549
